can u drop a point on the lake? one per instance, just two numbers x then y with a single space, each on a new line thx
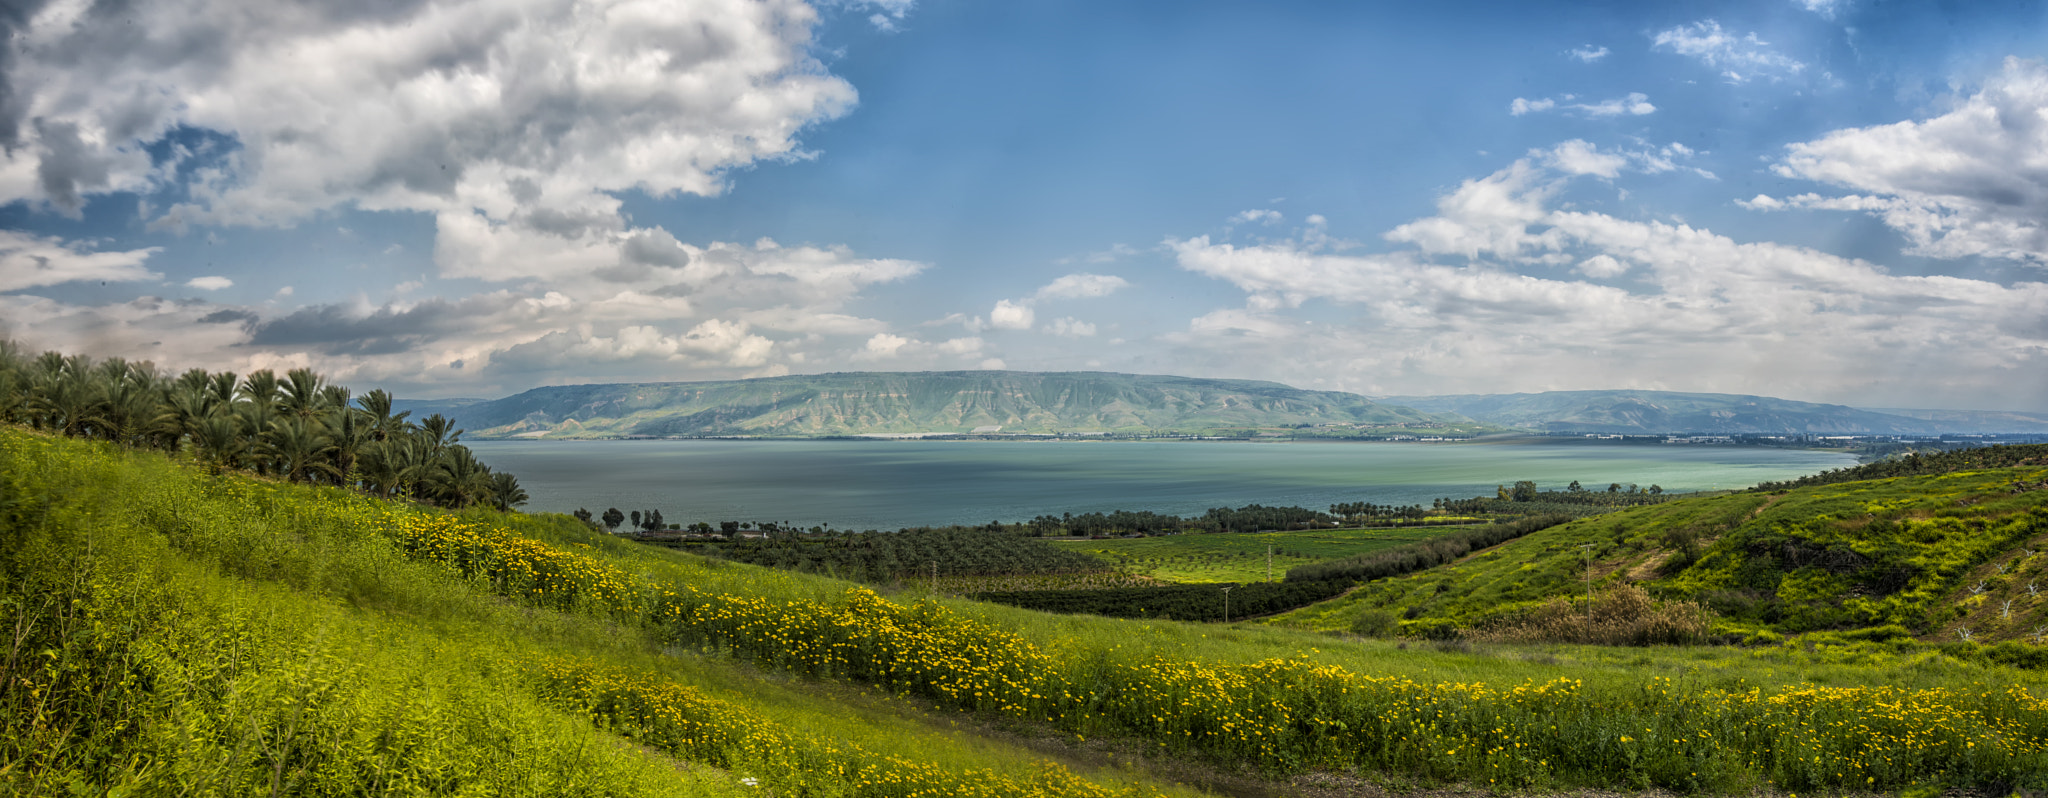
892 484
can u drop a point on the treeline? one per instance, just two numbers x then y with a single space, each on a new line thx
1418 556
1249 518
908 554
1917 464
1525 499
1205 602
297 427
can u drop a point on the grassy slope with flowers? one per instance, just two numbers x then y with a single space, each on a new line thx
228 636
1943 557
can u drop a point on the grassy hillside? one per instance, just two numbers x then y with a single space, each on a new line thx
1931 554
947 402
1662 412
175 632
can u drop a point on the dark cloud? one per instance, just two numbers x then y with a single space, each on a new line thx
229 316
14 15
69 166
336 330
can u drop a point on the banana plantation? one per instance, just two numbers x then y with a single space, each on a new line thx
297 427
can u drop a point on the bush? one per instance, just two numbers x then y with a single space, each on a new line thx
1623 616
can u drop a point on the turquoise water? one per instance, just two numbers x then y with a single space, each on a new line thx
891 484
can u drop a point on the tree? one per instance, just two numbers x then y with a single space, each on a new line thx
651 521
613 518
1656 490
1525 491
506 493
1574 487
584 516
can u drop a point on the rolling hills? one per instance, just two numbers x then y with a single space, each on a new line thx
951 402
1630 412
1944 548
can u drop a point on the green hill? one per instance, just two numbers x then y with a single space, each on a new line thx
177 632
1929 546
954 402
1666 412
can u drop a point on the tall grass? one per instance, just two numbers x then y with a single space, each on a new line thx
241 604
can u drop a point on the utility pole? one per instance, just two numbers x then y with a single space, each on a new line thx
1226 604
935 577
1269 561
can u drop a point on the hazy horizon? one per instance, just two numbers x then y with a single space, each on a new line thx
1833 201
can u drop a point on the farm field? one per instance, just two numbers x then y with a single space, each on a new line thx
371 640
1224 557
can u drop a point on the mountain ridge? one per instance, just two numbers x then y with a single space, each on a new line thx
1098 402
1631 411
911 403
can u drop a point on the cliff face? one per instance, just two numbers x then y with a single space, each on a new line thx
929 402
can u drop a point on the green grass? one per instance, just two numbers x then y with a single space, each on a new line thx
1228 557
192 634
1908 551
181 633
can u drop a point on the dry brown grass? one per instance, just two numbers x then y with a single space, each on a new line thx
1622 616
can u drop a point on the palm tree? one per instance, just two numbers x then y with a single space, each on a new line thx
298 449
505 491
461 480
384 425
299 394
218 437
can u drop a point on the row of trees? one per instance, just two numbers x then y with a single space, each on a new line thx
297 427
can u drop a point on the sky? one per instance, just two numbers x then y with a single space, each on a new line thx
1838 201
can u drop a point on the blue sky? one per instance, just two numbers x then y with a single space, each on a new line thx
1832 201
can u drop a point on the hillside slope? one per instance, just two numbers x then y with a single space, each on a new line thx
1934 553
1667 412
924 402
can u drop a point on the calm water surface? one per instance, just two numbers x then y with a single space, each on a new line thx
891 484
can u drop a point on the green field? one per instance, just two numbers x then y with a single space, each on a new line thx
228 635
1225 557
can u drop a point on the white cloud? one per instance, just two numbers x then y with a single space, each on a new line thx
1082 285
1635 104
1701 312
1739 58
1069 327
1587 54
31 261
1257 216
1827 9
509 119
884 345
1576 157
1973 181
1009 315
993 364
210 283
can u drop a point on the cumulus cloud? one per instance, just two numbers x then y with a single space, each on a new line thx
1587 54
550 99
1522 106
1739 58
1009 315
209 283
1973 181
1698 309
32 261
1257 216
